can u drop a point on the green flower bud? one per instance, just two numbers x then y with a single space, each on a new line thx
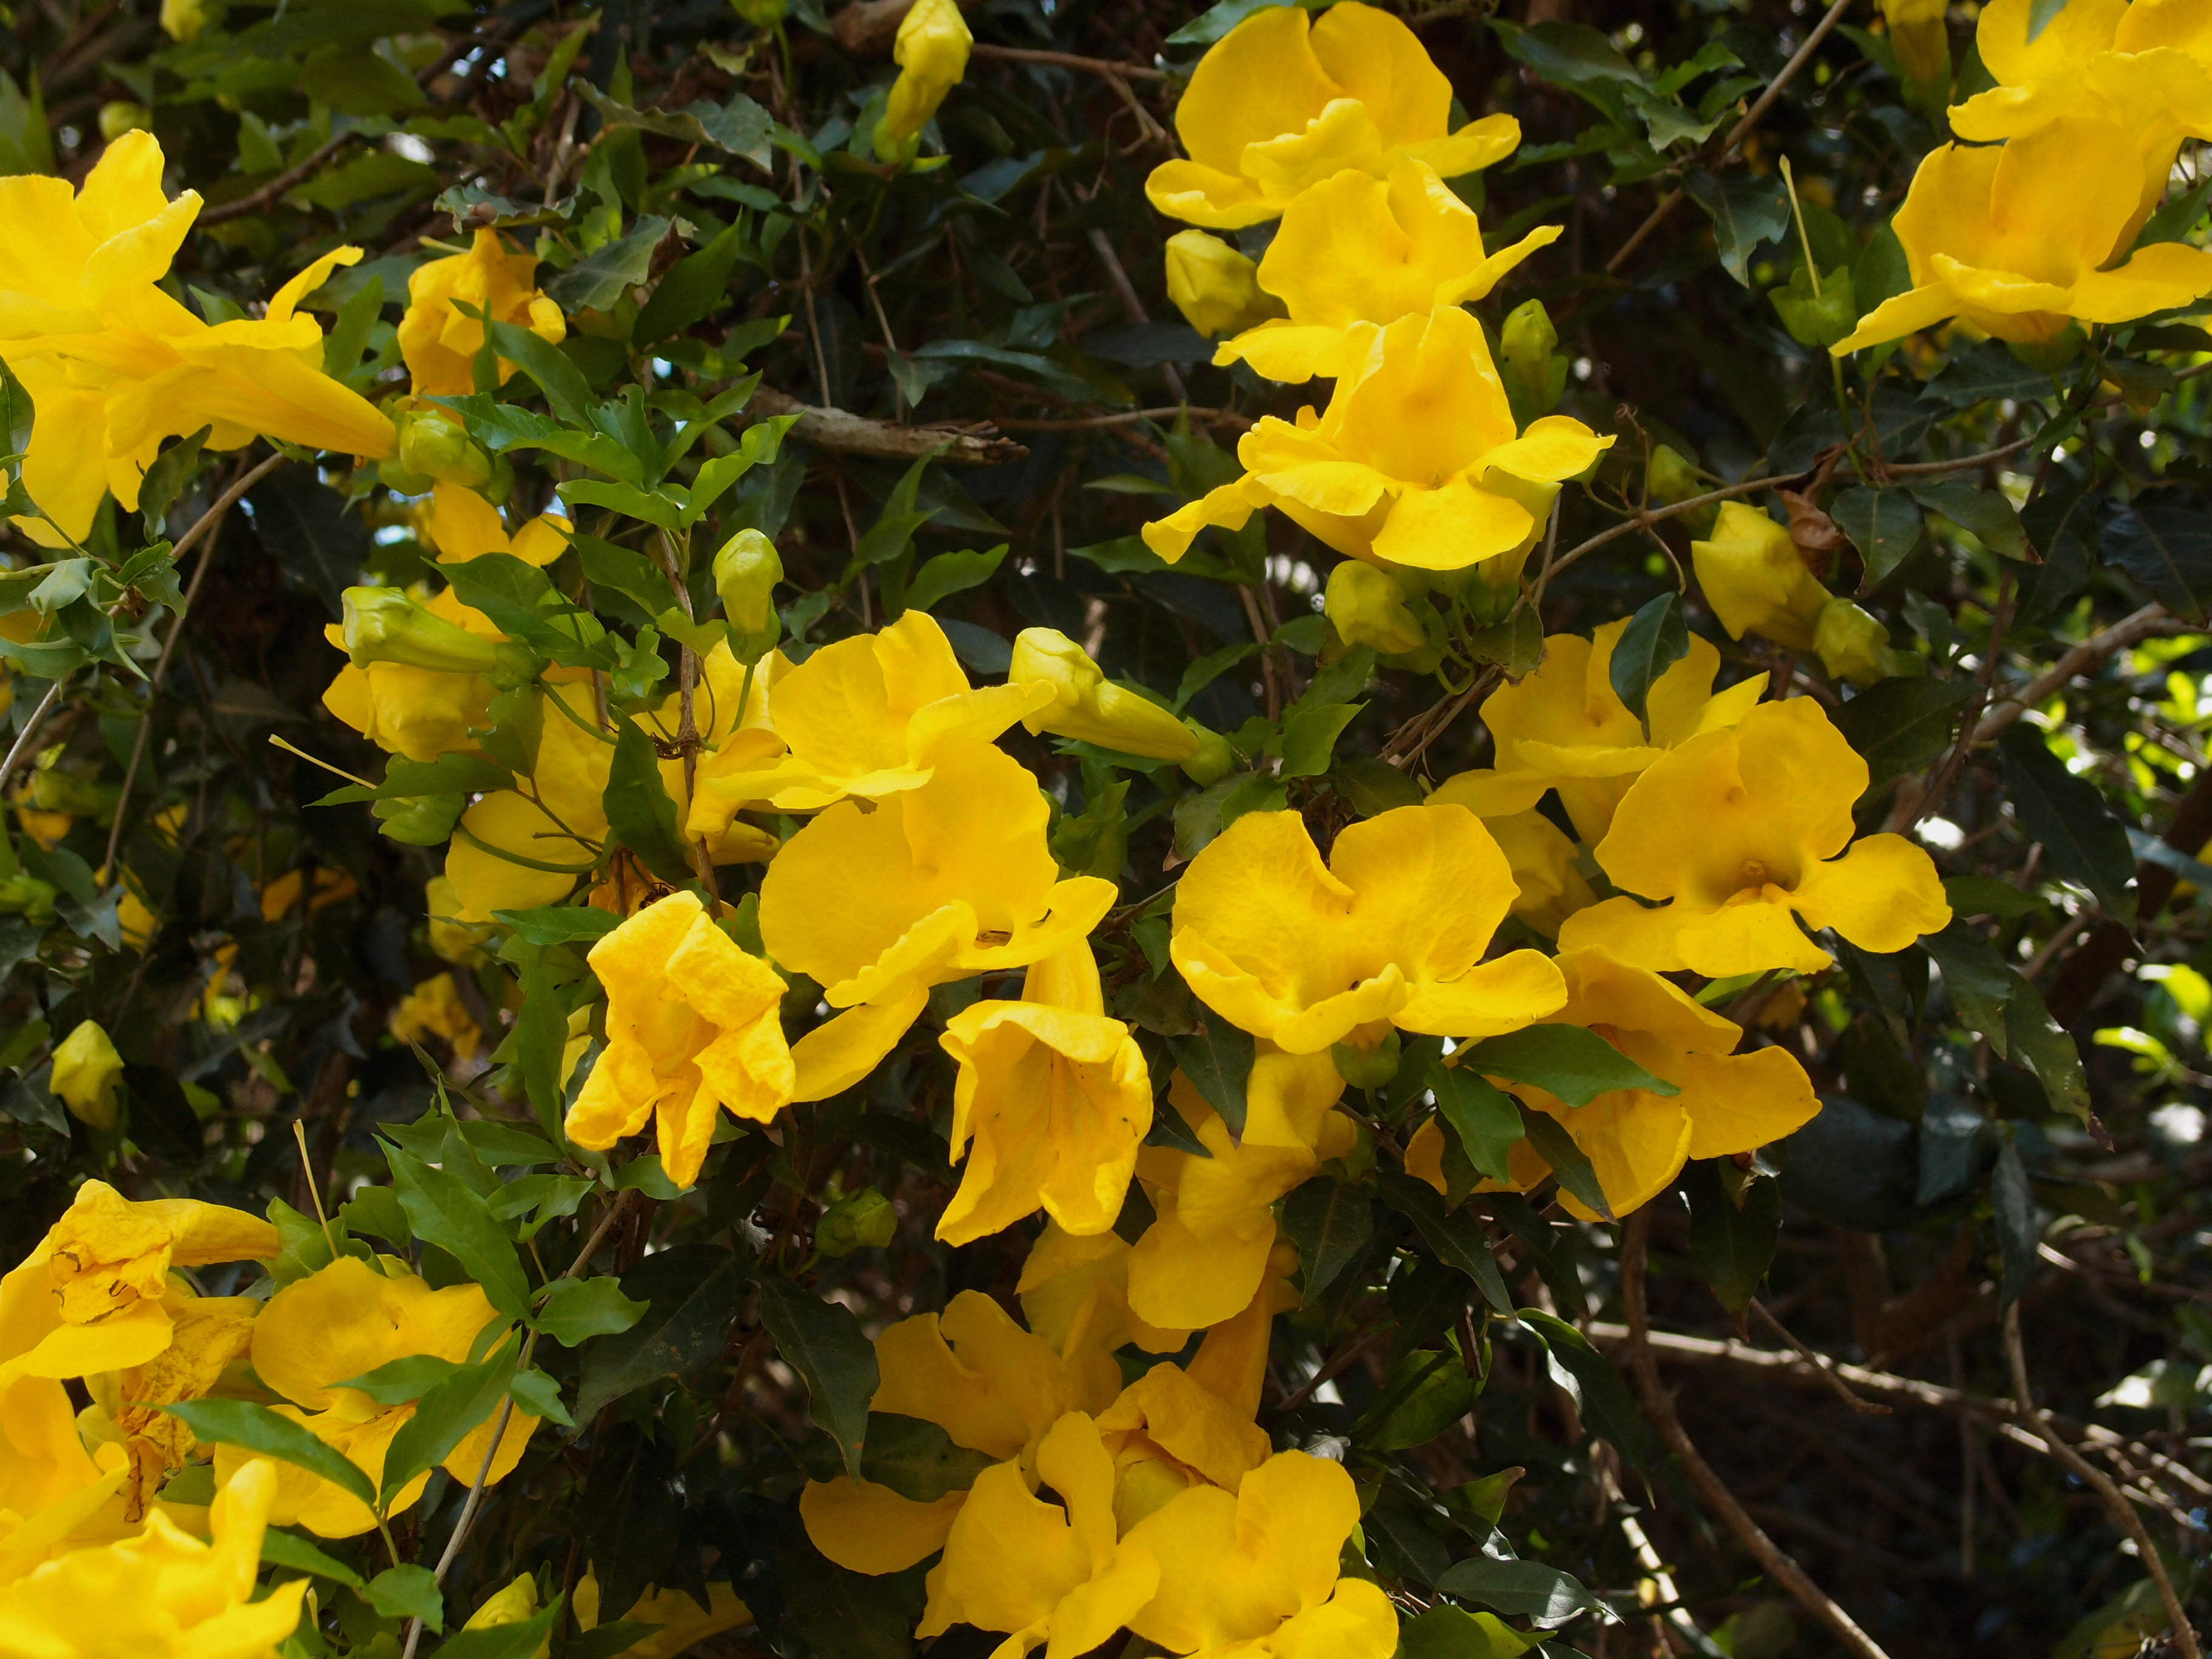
1668 478
1367 1068
382 624
400 480
860 1221
1854 646
1366 607
1214 760
25 896
437 446
746 572
1529 340
117 118
761 13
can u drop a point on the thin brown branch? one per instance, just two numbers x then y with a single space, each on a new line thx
277 187
1105 66
1822 1365
843 433
1130 417
2092 653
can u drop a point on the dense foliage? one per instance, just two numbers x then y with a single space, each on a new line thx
1299 861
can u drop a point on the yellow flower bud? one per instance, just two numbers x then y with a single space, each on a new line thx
117 118
1756 581
931 53
761 13
184 20
382 624
1855 646
1367 608
1088 705
1668 478
88 1076
746 572
513 1604
1216 288
436 445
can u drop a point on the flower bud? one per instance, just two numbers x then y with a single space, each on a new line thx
1368 1068
1367 608
513 1606
1088 705
761 13
860 1221
382 624
1668 478
24 895
88 1076
1529 340
184 20
1211 761
1755 579
746 571
1855 646
117 118
434 445
1216 288
931 53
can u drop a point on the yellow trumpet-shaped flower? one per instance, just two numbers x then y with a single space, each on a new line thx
1087 705
1256 1573
935 883
2013 238
89 1297
1359 249
463 526
1167 1432
1392 927
694 1025
344 1321
1416 461
932 54
1216 288
1205 1256
210 1333
113 365
54 1495
1282 102
1076 1285
1564 728
865 716
163 1595
1057 1100
440 343
1054 1574
418 712
1739 832
88 1075
1756 579
1637 1141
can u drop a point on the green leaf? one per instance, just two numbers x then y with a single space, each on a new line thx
741 126
1217 1060
1310 735
917 1459
1210 25
403 1380
446 1415
1374 786
1987 896
1569 1162
256 1428
2047 1049
1732 1245
598 279
759 446
2085 843
1979 980
2165 544
1656 638
1458 1239
1583 1372
1426 1392
445 1212
158 489
518 1641
1544 1596
892 533
318 543
647 506
1445 1632
1746 209
940 578
693 1295
408 1591
1983 513
1486 1119
558 924
348 336
539 1396
577 1309
638 812
566 392
1575 1064
1331 1223
1883 525
1902 725
690 288
822 1342
286 1549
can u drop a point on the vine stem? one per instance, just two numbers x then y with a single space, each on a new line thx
1659 1407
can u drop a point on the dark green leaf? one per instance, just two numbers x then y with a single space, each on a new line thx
1546 1597
598 279
1746 209
1607 1406
1446 1632
1545 1246
445 1212
1732 1245
1985 513
916 1459
1458 1239
1575 1064
1883 525
822 1341
1217 1060
1902 725
1330 1223
1212 24
1656 638
1987 896
408 1591
287 1549
1426 1394
256 1428
2165 544
2085 843
691 289
566 392
158 489
638 812
446 1415
2035 1040
577 1309
1486 1119
1551 1142
319 544
693 1294
1979 980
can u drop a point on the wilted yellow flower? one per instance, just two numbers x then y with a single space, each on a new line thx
1739 831
90 1296
931 53
163 1595
1564 728
209 1332
1756 581
1416 461
935 883
88 1075
1257 1572
434 1008
1216 288
694 1025
1636 1141
1057 1099
1282 102
439 343
1358 249
345 1320
1392 927
2013 238
114 365
1087 705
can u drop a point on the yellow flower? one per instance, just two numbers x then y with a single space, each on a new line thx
1050 1574
1414 463
1564 728
1085 704
1736 831
163 1595
1921 42
931 53
1392 927
1636 1140
1255 1573
210 1333
934 885
1281 103
1057 1099
1167 1432
694 1024
346 1321
114 365
439 343
2012 239
684 1625
1544 865
182 21
516 1604
1359 249
434 1008
453 941
88 1075
54 1495
1205 1256
463 526
89 1297
1756 581
418 712
1216 288
1366 606
1075 1287
865 716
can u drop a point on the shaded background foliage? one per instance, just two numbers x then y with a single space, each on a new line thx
1011 300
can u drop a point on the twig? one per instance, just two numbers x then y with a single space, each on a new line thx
843 433
1106 67
1104 249
277 187
1651 515
1660 1408
30 730
1335 1366
2120 1510
1819 1363
2153 618
1228 416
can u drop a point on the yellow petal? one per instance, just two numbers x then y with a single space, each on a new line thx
866 1527
1881 895
840 1051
